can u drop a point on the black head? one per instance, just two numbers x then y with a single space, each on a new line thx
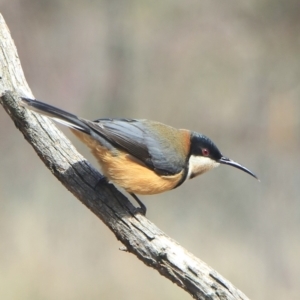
201 145
204 155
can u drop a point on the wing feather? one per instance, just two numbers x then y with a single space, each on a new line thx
141 139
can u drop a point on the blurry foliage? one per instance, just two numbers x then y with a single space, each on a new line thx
227 69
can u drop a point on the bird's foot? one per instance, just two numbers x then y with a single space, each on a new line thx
139 210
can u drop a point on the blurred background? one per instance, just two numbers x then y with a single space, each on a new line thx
228 69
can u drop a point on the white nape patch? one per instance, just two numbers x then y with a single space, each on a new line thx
199 165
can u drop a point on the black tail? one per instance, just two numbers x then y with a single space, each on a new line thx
57 114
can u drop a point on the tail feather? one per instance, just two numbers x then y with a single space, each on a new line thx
57 114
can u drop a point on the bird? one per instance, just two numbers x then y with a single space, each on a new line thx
141 156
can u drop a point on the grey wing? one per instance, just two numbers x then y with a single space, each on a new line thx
137 138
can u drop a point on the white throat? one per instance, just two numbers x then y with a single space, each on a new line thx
199 165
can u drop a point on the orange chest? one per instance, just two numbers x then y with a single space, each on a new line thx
128 172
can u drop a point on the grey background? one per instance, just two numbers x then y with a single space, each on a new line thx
228 69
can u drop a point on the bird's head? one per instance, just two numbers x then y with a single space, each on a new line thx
204 156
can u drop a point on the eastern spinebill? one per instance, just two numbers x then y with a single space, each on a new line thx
143 157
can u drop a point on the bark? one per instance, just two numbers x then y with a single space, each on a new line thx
139 236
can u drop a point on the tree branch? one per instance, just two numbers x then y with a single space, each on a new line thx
138 234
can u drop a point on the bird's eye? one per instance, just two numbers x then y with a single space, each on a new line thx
205 152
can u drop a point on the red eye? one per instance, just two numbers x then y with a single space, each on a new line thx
205 152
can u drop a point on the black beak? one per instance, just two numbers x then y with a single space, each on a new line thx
228 161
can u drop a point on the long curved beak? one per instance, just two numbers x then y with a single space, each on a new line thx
227 161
